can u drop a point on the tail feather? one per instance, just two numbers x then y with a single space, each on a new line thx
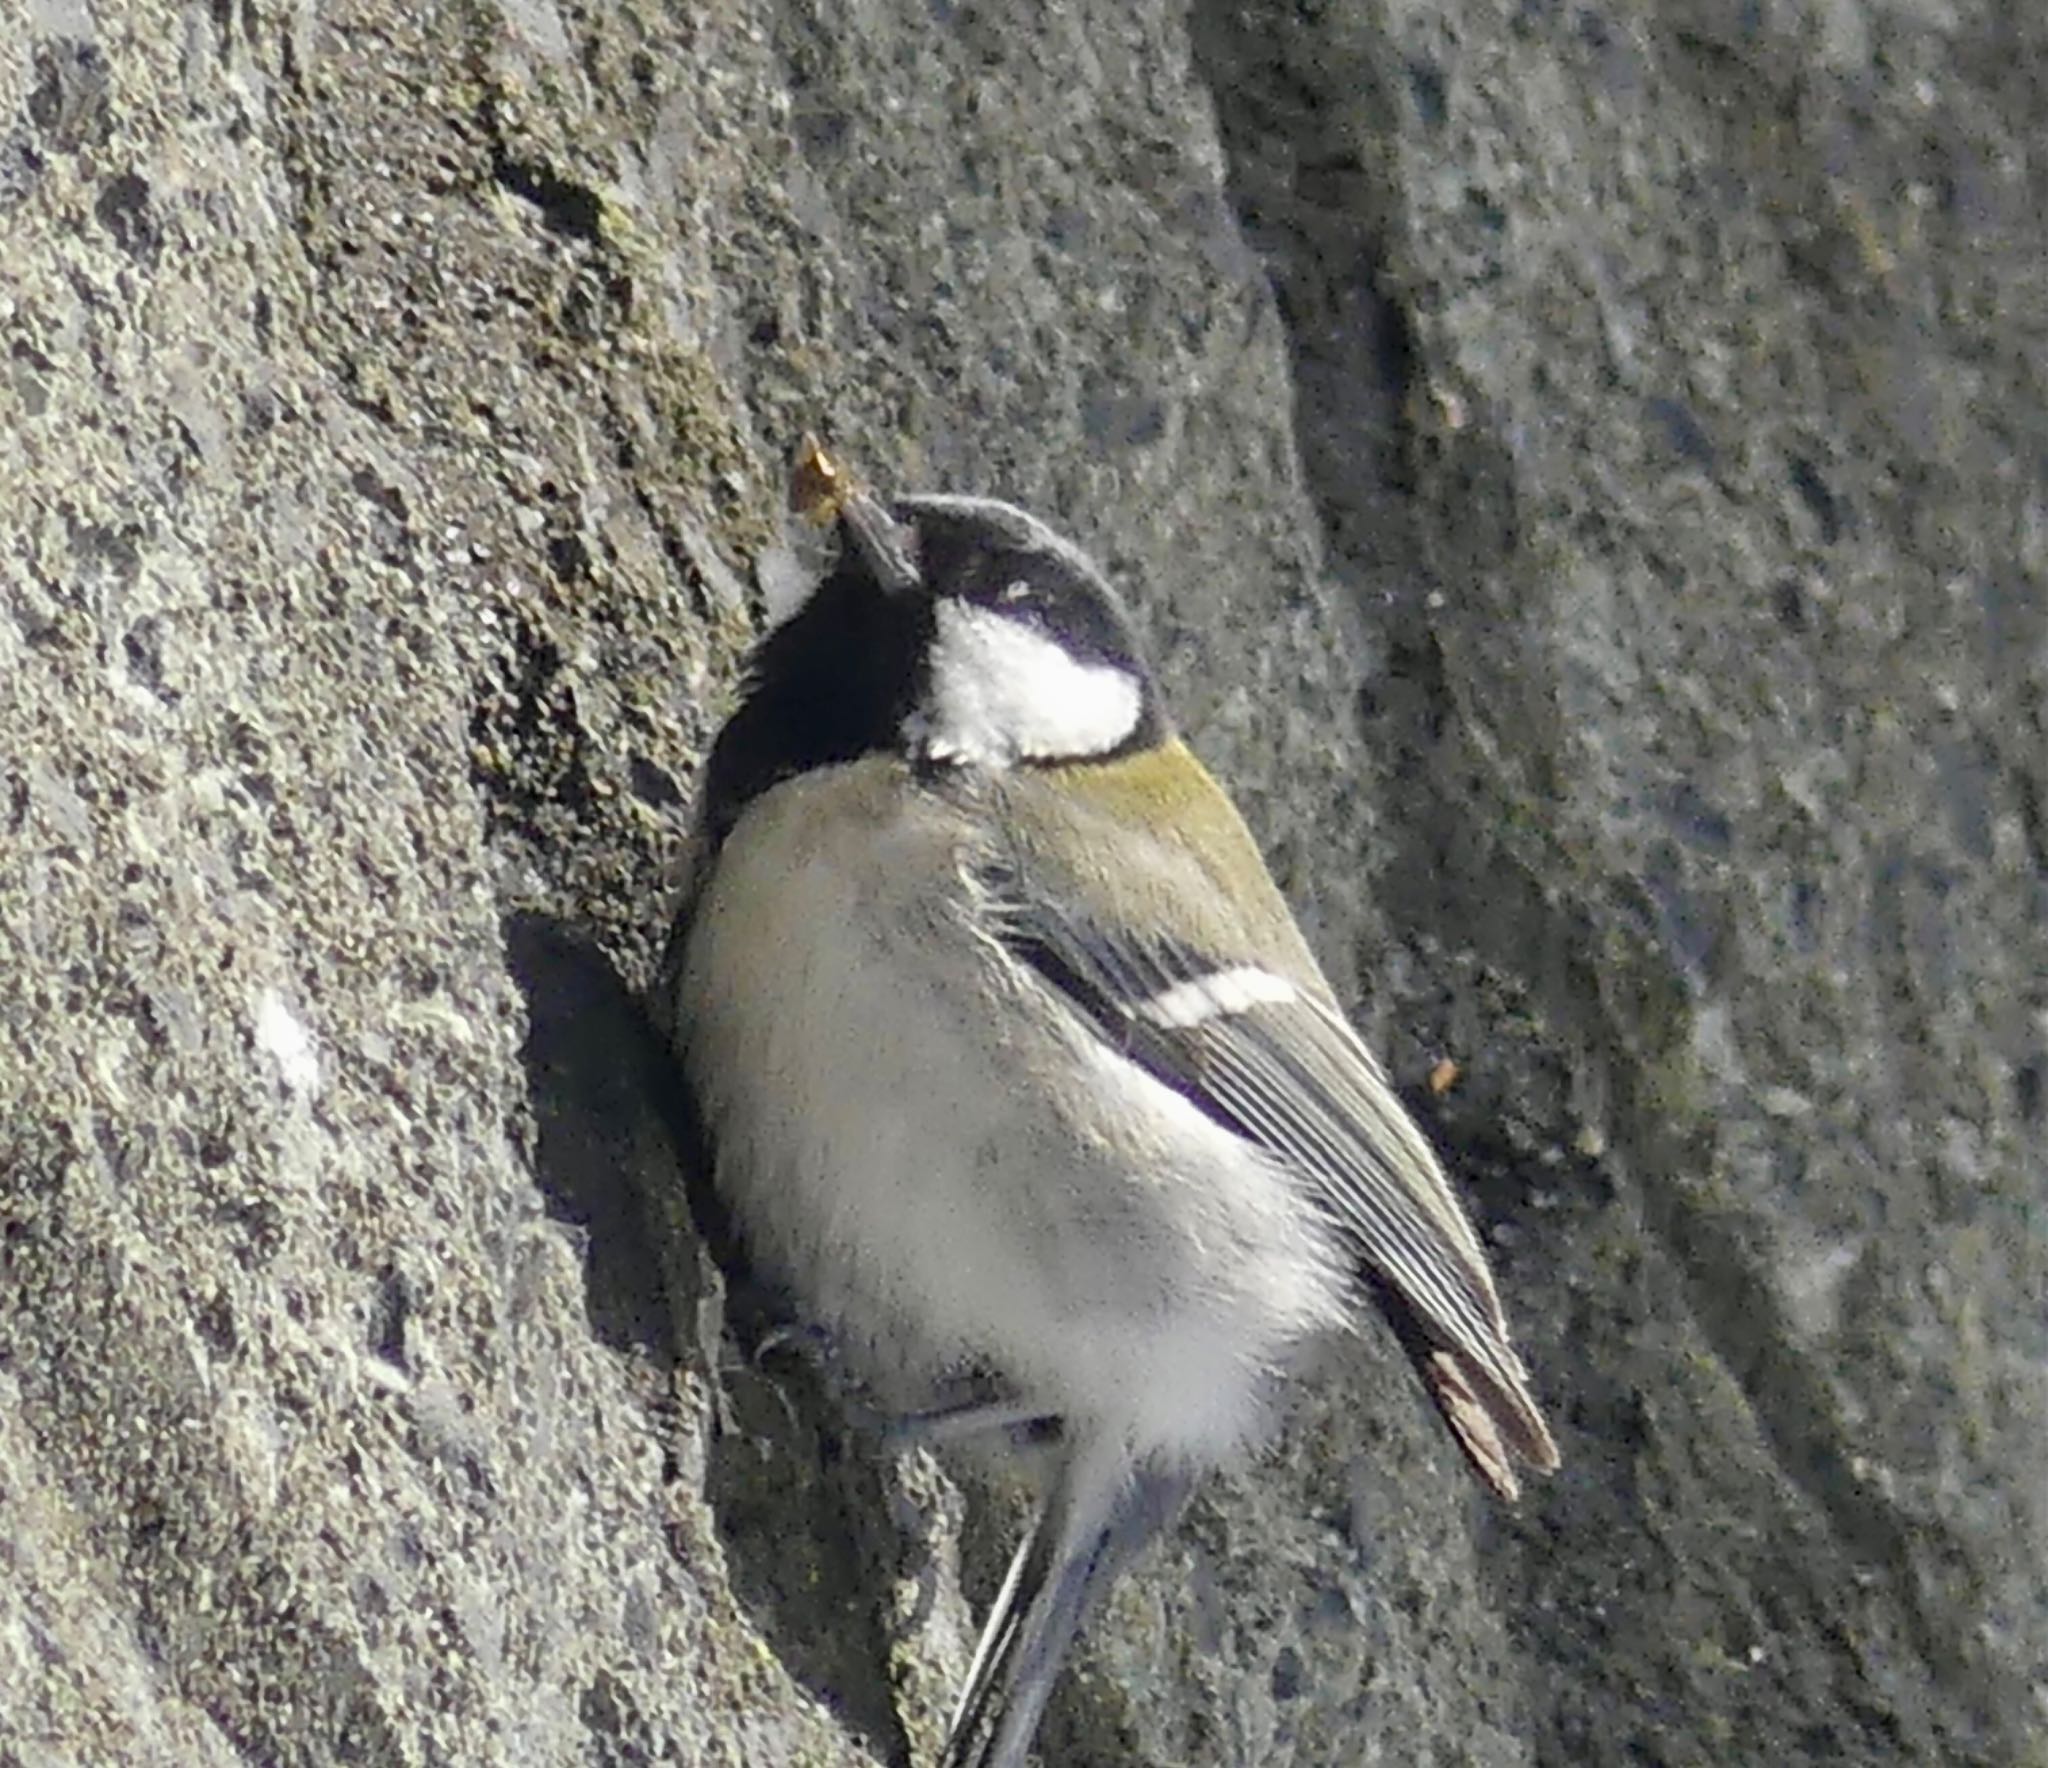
1098 1515
1483 1393
1488 1418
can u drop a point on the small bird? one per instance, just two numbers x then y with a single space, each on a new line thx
1015 1067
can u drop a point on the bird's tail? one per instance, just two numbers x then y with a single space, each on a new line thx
1099 1513
1481 1389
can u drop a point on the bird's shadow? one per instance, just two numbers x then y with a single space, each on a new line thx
800 1501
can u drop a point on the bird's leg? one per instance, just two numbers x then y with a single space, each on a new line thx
962 1420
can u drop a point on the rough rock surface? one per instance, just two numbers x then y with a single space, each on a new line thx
1584 469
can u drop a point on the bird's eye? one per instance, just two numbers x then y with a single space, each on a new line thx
1016 591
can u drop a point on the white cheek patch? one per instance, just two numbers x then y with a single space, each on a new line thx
1002 691
1216 996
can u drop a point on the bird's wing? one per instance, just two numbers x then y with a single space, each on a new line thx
1274 1061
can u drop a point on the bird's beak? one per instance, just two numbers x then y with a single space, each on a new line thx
823 491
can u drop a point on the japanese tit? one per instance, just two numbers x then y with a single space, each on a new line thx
1014 1064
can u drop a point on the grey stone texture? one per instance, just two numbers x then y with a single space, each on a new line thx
1583 469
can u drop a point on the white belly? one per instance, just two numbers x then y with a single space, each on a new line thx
902 1130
